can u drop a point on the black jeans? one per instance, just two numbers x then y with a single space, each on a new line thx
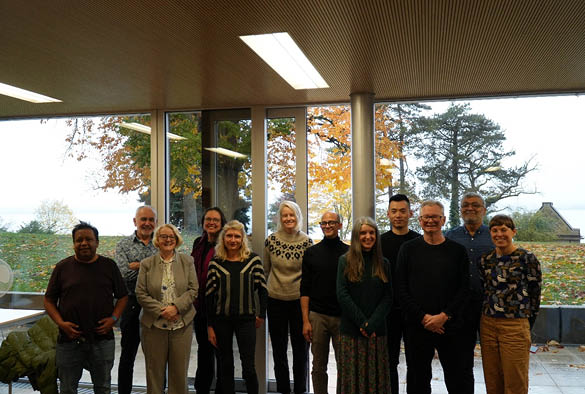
472 316
130 330
396 327
245 332
420 350
205 357
283 315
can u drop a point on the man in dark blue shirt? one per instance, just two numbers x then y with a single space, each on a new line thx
475 236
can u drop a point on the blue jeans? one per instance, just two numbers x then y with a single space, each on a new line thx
97 358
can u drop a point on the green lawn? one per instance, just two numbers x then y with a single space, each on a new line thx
33 256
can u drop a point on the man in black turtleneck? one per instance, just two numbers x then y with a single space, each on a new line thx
321 312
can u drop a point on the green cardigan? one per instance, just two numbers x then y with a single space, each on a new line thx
366 301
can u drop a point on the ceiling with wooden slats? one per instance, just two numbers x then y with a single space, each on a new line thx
103 56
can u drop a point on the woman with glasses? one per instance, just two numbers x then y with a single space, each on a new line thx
235 275
166 289
364 292
212 222
283 256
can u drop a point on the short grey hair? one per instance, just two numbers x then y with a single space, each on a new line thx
427 203
293 206
472 195
149 207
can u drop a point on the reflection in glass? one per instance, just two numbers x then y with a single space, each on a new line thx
234 170
185 174
281 166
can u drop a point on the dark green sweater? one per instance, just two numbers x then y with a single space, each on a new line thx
366 301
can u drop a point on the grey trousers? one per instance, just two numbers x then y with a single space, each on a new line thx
325 329
162 347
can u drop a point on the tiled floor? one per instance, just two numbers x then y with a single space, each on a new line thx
557 371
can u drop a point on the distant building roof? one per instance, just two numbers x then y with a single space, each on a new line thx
564 231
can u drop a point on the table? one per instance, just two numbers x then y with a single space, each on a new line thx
16 317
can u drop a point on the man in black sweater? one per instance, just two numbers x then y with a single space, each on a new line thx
399 213
321 312
433 281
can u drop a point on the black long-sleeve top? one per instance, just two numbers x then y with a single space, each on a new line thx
231 286
391 244
433 279
319 277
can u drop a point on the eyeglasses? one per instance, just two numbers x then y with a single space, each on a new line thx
428 218
474 205
165 237
212 220
329 223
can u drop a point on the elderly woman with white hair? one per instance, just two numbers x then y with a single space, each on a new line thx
166 288
283 256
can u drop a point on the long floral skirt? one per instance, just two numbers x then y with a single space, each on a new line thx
363 365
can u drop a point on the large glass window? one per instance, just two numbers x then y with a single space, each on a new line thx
281 166
185 189
508 150
59 171
234 169
329 166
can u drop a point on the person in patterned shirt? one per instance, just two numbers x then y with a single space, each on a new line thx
512 282
129 252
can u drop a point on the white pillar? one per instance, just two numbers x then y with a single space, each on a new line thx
363 176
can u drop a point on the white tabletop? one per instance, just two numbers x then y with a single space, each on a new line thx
11 317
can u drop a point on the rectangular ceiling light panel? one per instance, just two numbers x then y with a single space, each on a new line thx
25 95
281 53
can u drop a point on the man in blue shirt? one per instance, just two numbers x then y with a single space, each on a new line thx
475 236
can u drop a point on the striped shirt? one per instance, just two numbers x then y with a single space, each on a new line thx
231 286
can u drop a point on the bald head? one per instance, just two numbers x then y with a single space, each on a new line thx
330 224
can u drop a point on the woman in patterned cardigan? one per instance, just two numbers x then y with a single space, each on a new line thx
283 256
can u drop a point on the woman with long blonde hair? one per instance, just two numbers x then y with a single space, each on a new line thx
235 275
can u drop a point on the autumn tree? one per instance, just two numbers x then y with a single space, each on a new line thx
462 152
126 157
55 216
395 125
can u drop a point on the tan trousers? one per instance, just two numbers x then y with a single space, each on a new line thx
162 347
325 330
505 352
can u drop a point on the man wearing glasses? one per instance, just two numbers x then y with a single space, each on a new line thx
321 312
399 213
433 281
475 236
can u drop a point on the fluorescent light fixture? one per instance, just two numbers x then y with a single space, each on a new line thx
227 152
286 58
385 162
25 95
146 130
492 169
